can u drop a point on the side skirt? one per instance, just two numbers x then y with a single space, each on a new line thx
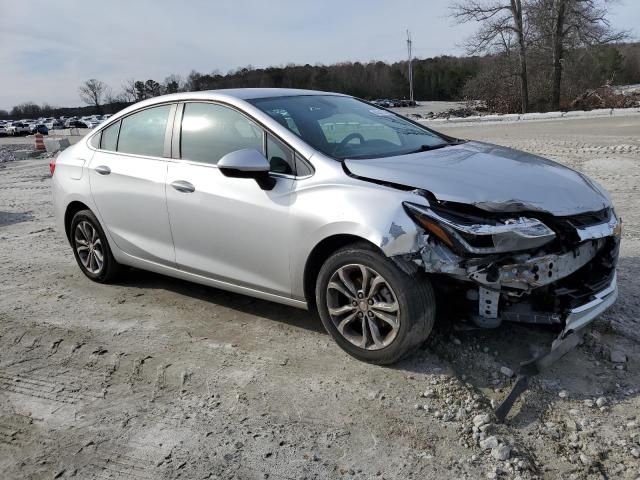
136 262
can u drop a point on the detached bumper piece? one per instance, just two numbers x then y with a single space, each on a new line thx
576 321
559 349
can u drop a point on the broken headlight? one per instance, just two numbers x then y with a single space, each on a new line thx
467 234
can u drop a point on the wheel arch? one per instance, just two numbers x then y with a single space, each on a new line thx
319 255
73 208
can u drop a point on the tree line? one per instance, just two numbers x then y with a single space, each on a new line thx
439 78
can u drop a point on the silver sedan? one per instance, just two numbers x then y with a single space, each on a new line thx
323 201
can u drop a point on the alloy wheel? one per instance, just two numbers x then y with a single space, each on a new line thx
363 307
89 247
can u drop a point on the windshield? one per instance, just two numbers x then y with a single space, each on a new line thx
344 127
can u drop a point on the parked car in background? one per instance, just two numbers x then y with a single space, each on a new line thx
394 103
40 128
3 129
382 103
375 222
91 122
74 123
18 128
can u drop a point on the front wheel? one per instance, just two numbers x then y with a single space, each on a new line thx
374 311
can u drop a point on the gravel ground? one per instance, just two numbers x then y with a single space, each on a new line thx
156 378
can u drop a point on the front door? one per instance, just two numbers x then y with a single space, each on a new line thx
228 229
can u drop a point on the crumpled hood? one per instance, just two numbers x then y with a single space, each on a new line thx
491 177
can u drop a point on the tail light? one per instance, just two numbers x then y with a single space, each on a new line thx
52 165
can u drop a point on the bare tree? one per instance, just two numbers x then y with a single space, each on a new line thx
563 25
92 92
129 91
502 23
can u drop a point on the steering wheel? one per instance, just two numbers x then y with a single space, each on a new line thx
348 138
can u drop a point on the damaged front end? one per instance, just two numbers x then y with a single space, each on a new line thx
532 268
527 267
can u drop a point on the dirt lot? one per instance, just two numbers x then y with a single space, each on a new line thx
157 378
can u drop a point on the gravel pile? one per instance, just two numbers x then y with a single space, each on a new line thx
11 152
461 112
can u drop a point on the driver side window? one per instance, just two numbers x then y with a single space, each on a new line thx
210 131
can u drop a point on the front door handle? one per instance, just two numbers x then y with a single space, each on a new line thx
183 186
103 170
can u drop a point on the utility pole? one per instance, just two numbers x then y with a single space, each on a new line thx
410 66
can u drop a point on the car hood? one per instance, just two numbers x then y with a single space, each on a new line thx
490 177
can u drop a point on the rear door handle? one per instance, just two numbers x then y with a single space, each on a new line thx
103 170
183 186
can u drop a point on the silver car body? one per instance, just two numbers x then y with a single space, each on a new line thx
231 234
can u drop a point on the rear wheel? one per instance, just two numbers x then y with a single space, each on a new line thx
91 249
375 312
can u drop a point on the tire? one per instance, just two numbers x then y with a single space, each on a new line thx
83 227
412 295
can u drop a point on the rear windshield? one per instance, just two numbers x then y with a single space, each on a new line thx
344 127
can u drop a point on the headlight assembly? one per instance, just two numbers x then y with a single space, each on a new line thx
494 236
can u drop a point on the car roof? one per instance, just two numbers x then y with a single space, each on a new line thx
230 95
237 93
253 93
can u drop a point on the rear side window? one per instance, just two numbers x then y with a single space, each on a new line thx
210 131
109 139
143 133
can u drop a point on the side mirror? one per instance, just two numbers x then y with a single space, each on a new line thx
247 163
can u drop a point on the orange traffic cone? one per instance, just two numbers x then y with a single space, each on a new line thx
40 141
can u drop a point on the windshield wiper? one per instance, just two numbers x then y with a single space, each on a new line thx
427 148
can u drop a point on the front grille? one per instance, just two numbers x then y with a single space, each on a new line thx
566 227
588 219
579 287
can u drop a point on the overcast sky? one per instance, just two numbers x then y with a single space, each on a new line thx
49 47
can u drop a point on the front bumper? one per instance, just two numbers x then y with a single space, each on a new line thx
580 316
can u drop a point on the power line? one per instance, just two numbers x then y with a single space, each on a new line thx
409 45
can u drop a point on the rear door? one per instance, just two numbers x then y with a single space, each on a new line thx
228 229
127 176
